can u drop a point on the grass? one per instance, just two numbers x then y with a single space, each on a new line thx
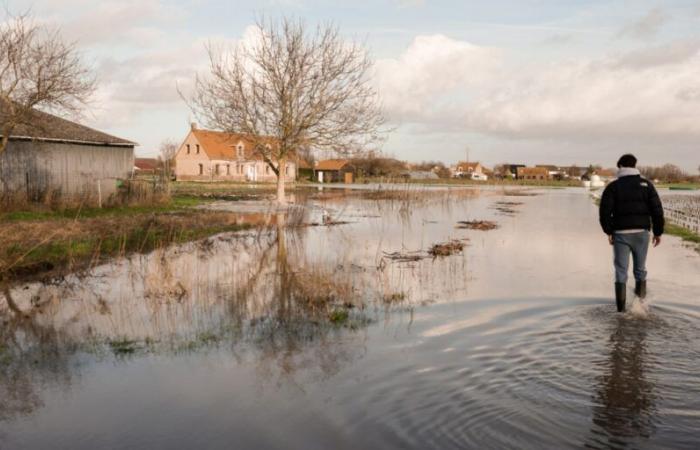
685 234
679 185
34 248
177 203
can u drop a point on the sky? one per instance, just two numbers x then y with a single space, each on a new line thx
518 81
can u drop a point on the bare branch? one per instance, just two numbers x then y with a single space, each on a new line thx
297 89
38 70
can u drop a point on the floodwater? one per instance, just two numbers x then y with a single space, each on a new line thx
512 343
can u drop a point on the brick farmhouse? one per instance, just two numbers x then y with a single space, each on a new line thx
218 156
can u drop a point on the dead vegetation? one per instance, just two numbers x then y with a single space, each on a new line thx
519 193
506 208
446 248
480 225
32 249
404 256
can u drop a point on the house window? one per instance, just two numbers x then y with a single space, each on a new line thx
188 149
267 170
216 169
286 170
228 169
198 149
201 169
239 150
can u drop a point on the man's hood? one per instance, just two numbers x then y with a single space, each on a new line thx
627 172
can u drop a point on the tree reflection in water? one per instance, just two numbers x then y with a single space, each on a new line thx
624 404
268 316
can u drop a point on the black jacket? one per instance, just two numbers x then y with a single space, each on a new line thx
631 202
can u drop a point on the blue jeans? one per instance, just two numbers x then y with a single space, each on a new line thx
623 245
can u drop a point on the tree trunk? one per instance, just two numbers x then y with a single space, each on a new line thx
281 170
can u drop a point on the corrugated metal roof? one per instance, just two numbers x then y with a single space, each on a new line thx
47 127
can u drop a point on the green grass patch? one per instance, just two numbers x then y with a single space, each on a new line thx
680 186
683 233
339 316
122 347
79 252
177 203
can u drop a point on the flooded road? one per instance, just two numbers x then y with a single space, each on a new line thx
334 327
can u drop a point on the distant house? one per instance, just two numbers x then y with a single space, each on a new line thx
48 155
574 172
603 175
606 174
513 169
207 155
533 173
146 166
305 169
465 169
334 171
555 172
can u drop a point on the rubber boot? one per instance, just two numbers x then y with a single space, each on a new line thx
620 296
640 289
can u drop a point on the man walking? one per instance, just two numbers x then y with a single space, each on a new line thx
629 208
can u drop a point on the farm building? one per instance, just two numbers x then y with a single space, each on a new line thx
334 171
50 156
147 166
466 169
218 156
533 173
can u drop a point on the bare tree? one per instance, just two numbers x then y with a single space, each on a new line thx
291 89
37 70
168 148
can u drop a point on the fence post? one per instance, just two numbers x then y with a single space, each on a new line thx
99 193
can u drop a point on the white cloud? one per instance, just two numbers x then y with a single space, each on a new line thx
442 85
424 79
646 26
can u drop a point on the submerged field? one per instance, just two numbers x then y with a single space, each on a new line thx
409 318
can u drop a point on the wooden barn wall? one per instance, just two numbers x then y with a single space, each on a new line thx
38 168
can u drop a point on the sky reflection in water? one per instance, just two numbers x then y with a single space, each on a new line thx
512 343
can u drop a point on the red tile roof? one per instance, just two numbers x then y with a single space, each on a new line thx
331 164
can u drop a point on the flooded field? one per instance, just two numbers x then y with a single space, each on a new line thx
419 318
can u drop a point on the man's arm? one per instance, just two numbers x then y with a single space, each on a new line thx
605 211
656 210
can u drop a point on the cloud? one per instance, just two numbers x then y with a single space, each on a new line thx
424 78
123 22
442 85
674 53
646 26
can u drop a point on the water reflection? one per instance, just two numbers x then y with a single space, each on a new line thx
31 356
624 403
302 335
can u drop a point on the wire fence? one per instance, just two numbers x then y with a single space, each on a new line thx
683 210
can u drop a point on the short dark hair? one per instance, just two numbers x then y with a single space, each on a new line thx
627 160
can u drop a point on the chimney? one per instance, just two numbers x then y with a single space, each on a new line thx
193 126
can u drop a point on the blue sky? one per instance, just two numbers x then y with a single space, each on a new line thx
513 81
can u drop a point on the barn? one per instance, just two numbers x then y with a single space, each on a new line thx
51 156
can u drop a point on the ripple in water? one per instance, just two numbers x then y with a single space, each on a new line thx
563 373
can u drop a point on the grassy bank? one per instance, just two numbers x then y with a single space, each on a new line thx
42 243
683 186
177 203
685 234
